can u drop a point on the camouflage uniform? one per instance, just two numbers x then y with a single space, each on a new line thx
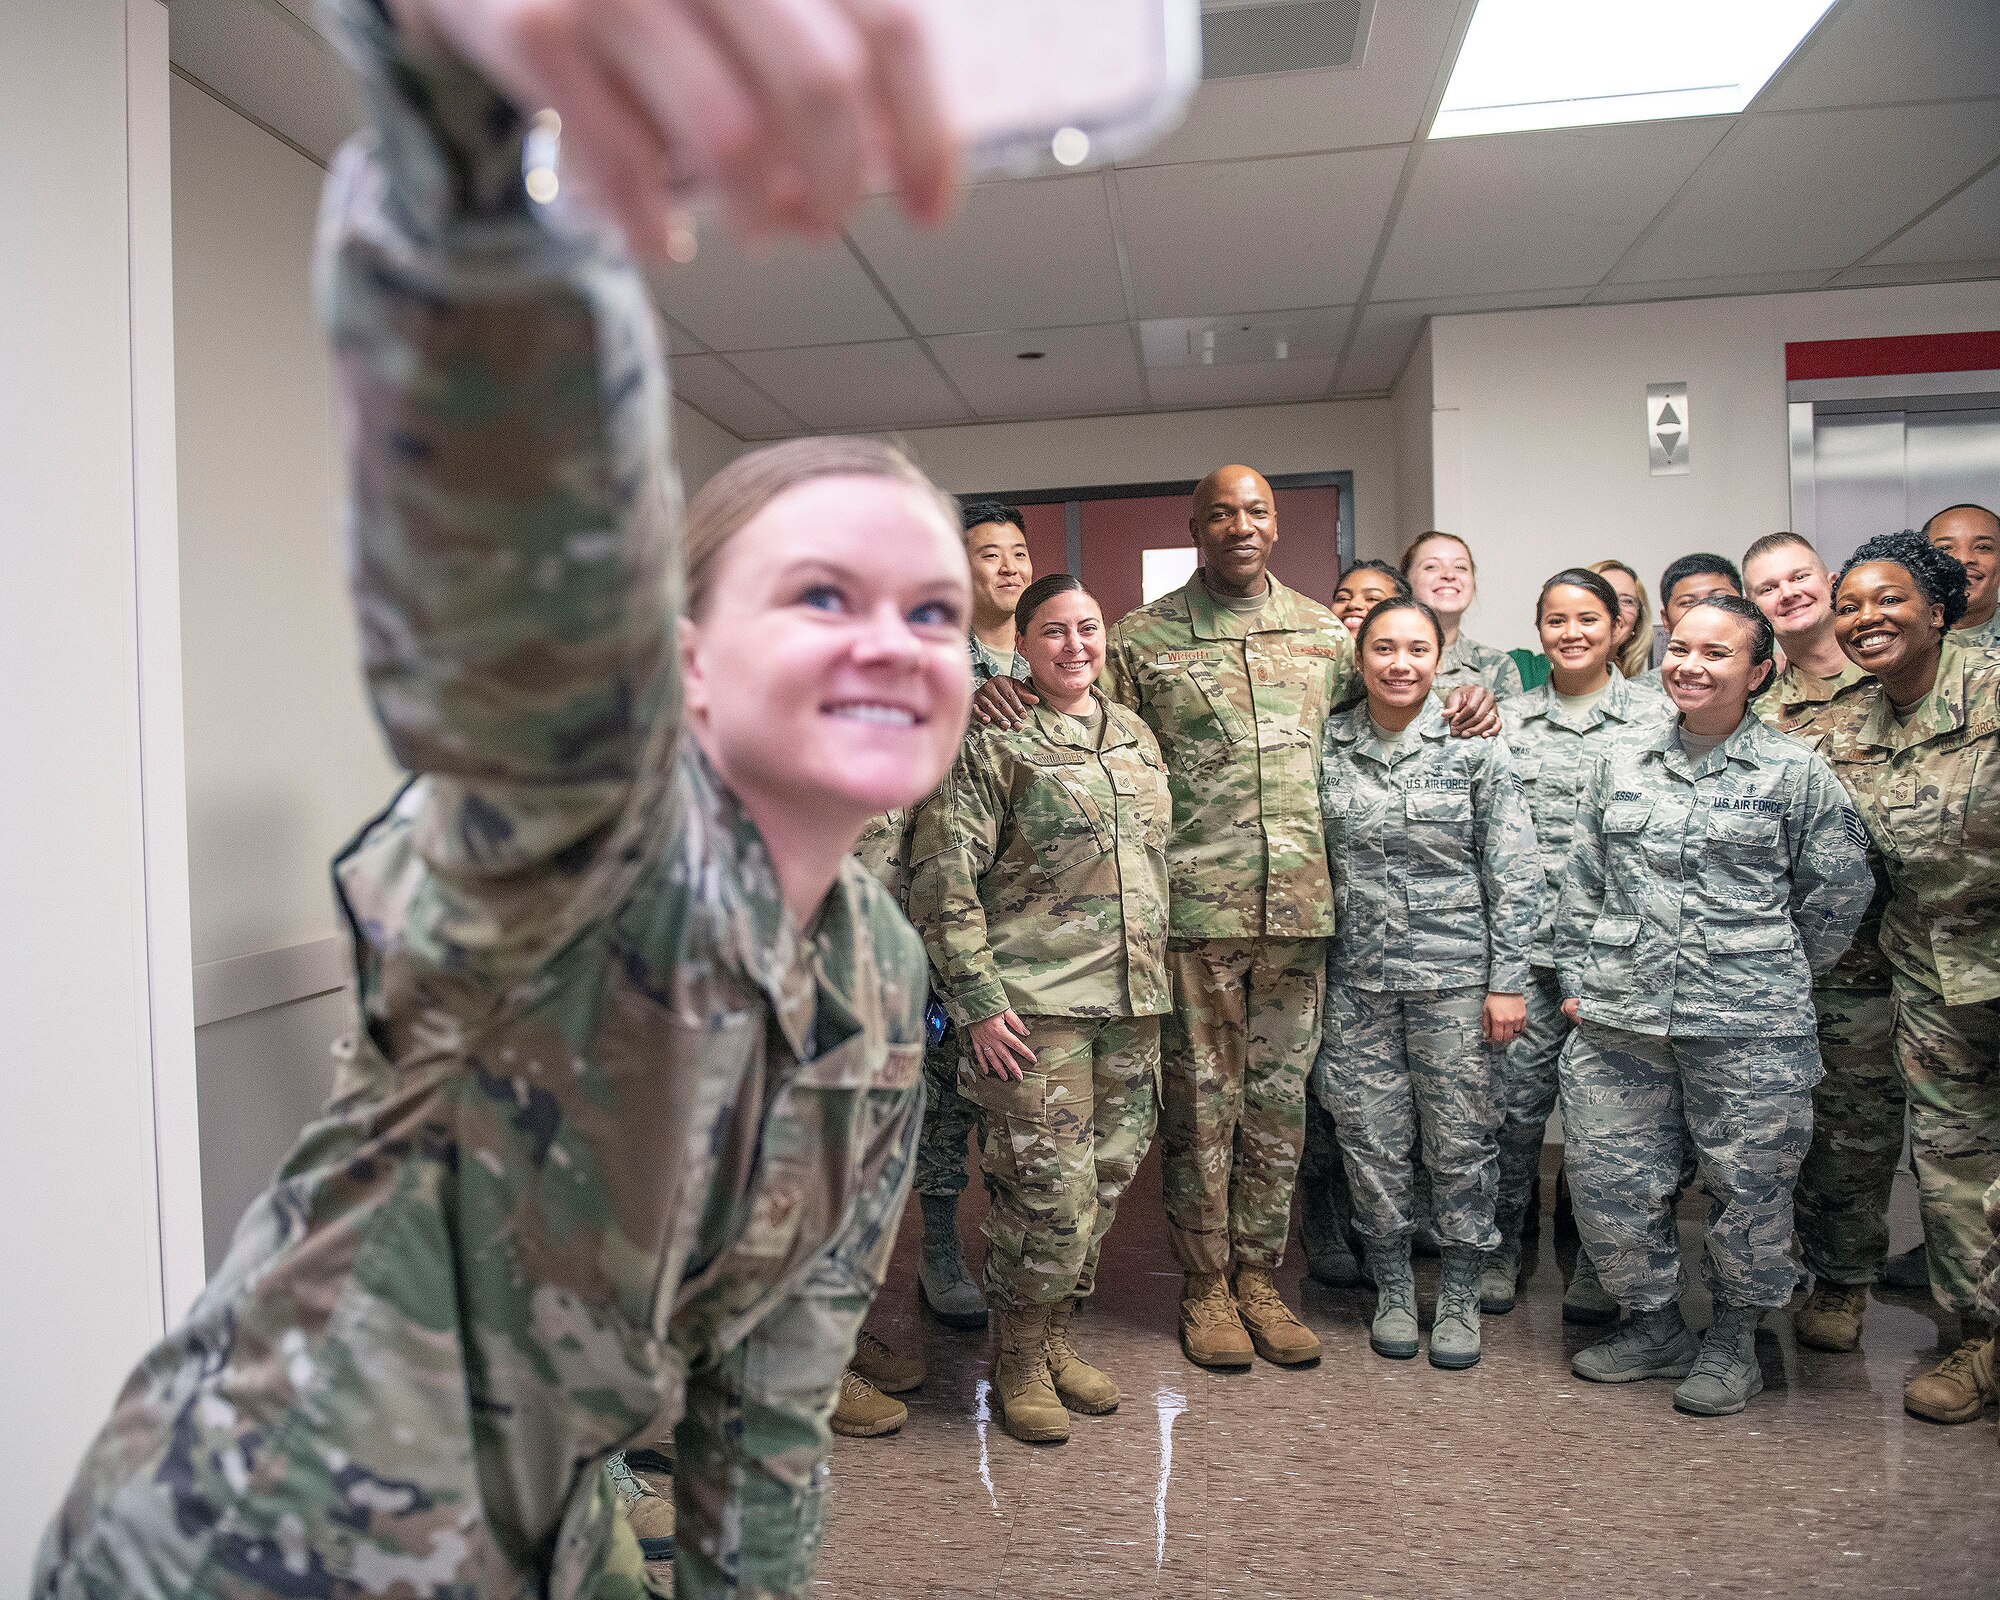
1701 900
1842 1200
1237 701
948 1115
1468 661
617 1150
1555 752
1436 893
1981 635
1927 789
1040 886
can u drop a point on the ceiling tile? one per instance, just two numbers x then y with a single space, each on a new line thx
1313 334
1964 228
1243 384
855 387
268 61
679 341
1873 52
1082 370
1533 210
1254 235
1343 108
1388 331
1035 254
1814 189
714 388
795 295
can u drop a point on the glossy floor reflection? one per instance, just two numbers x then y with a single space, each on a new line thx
1377 1478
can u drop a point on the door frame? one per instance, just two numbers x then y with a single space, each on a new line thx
1073 498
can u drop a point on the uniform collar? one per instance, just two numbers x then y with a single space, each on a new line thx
1211 621
1741 745
1614 705
1056 728
1795 687
1940 712
1357 728
763 940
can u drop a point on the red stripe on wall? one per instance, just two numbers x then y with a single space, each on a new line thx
1880 358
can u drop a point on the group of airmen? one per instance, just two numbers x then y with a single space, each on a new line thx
1360 916
617 1152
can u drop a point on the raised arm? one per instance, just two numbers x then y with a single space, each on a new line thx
512 498
1831 880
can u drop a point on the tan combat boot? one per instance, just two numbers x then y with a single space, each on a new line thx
1211 1332
1030 1409
1279 1336
1083 1387
864 1411
1958 1387
1831 1317
881 1366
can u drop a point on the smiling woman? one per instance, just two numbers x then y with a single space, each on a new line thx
1918 746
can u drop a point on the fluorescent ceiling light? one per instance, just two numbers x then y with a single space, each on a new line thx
1576 63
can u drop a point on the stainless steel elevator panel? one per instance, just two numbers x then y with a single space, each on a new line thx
1858 472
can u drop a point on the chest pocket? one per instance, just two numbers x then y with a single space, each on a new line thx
1627 818
1744 835
1438 806
1060 821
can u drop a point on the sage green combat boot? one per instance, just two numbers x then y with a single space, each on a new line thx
1499 1273
1651 1344
1393 1333
944 1282
1083 1387
1725 1375
1455 1323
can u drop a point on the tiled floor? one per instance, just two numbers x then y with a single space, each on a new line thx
1367 1477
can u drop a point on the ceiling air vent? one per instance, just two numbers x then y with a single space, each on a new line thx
1248 38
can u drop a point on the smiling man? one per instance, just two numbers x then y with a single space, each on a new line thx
1972 534
996 544
1842 1200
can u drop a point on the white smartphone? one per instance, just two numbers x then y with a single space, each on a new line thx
1041 85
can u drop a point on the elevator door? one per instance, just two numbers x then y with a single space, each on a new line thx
1878 471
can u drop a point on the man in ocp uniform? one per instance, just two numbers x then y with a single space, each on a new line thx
1235 673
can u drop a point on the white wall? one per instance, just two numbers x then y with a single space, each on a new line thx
1539 427
1410 407
102 1239
1331 436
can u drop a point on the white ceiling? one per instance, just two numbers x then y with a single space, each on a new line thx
1304 207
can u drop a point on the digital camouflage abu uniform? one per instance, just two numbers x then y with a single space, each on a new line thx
1237 701
1842 1201
1436 895
1039 882
616 1150
1555 751
1929 789
1702 898
1467 661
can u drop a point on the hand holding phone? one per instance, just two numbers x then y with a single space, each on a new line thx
783 114
779 110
